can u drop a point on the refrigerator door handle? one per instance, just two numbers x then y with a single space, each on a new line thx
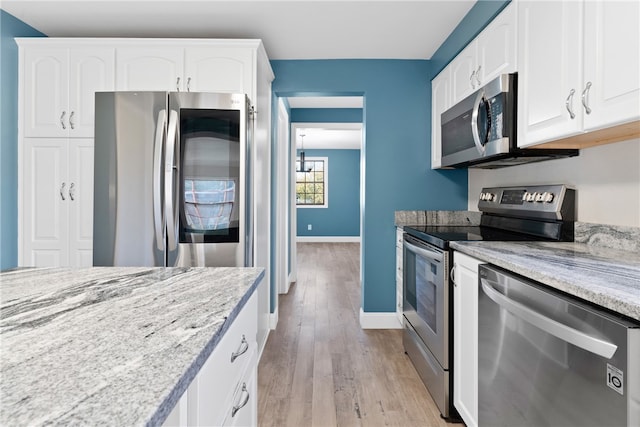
172 243
561 331
158 217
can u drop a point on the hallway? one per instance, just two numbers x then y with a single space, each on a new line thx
319 368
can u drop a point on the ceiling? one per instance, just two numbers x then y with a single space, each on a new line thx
302 29
289 29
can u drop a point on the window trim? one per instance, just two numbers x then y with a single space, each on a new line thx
326 182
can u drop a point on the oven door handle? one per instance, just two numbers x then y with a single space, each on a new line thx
427 253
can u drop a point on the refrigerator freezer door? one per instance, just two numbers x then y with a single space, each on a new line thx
126 179
208 179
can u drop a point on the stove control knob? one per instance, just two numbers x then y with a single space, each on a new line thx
547 197
481 196
491 197
531 197
539 197
524 196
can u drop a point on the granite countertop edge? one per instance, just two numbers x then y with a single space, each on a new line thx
183 383
622 297
36 302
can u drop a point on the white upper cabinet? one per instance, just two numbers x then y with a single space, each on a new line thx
192 69
463 73
611 62
59 86
491 53
579 68
149 68
440 101
219 70
496 47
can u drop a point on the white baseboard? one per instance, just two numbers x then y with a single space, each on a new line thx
376 320
273 320
328 239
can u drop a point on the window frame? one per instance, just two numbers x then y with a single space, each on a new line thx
325 182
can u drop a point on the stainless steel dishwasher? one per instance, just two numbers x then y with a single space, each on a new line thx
547 359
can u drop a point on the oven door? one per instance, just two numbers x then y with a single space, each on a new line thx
426 295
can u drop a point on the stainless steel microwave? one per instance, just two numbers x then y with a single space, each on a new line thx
480 131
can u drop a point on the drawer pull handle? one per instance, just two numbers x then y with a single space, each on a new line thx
244 346
243 403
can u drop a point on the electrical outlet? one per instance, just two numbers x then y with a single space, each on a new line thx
309 227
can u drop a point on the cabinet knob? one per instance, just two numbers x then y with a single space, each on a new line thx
189 84
178 84
473 74
64 127
71 124
62 191
478 75
72 191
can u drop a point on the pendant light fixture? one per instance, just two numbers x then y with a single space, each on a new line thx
302 167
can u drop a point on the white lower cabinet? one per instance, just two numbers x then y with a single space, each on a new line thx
58 202
465 337
227 380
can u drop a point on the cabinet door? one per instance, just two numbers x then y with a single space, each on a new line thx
46 92
90 70
45 203
463 73
549 70
440 101
80 202
149 68
611 62
497 46
219 69
465 338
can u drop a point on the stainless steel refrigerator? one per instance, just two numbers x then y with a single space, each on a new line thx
172 179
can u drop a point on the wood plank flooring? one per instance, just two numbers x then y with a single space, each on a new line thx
319 368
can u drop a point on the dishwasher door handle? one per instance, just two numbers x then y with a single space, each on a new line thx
559 330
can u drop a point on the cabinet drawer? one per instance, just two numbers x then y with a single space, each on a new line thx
243 408
211 391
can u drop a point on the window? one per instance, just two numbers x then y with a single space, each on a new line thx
311 185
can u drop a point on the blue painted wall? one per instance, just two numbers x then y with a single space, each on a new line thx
341 217
397 174
10 27
326 115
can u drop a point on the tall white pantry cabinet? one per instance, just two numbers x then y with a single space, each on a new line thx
57 81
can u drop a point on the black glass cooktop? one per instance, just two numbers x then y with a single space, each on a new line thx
441 235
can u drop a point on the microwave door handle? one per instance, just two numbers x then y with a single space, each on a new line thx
168 181
158 217
559 330
474 121
427 253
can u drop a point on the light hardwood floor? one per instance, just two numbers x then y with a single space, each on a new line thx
319 368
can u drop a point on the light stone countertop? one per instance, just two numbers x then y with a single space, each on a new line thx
604 276
110 345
